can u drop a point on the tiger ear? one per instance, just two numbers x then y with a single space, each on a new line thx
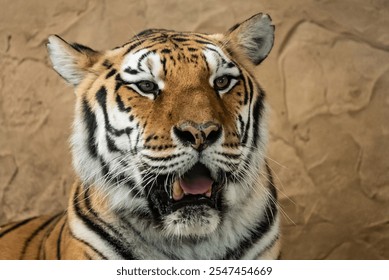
71 61
254 37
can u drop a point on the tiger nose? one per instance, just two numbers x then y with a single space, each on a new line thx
199 136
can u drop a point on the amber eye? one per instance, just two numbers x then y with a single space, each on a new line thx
147 86
222 82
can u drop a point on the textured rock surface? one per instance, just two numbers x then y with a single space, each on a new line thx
327 80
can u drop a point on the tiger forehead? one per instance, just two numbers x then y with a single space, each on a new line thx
165 41
155 55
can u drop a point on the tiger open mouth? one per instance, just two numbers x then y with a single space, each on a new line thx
191 196
195 187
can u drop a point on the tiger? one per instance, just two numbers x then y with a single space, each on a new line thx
168 143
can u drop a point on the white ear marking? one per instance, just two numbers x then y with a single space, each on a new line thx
70 60
63 60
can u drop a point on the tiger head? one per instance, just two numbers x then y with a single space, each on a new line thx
170 126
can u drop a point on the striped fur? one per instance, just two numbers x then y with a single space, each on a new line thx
169 145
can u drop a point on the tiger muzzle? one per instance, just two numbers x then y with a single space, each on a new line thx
199 136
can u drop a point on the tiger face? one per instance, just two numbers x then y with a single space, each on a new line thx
170 126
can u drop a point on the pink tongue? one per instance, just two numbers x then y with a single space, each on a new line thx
196 186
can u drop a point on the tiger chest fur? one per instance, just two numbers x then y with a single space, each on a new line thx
168 143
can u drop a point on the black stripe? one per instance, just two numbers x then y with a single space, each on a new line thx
180 39
35 233
250 89
147 216
82 49
98 229
121 178
257 115
201 37
111 144
91 125
134 45
135 150
90 208
205 62
59 240
163 168
110 73
158 38
16 226
121 105
101 97
228 155
269 246
130 184
143 57
119 82
162 158
163 62
149 138
89 245
259 231
204 42
41 250
131 71
150 31
233 28
128 130
104 168
246 93
217 52
152 43
224 62
107 64
231 65
194 57
248 124
159 148
156 45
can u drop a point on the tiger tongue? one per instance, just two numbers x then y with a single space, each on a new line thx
199 185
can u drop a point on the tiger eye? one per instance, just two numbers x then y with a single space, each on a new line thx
222 82
147 86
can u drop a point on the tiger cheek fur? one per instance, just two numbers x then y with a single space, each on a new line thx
168 142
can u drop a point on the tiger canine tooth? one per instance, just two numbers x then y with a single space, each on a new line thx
209 192
178 193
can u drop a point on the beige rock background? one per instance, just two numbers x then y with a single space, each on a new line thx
327 80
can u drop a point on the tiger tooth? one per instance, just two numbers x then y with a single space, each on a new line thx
178 193
209 192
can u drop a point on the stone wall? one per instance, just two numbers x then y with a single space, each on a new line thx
326 79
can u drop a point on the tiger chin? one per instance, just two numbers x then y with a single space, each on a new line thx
169 141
